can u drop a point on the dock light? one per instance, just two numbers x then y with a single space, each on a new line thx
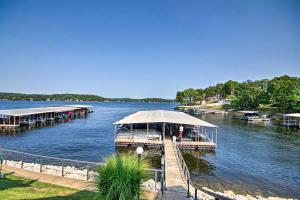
139 152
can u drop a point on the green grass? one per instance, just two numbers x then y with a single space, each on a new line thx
13 187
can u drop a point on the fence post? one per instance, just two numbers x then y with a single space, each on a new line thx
22 161
87 174
62 168
155 180
196 194
41 166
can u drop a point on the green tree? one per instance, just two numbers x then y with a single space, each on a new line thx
190 94
283 91
295 101
220 90
246 96
229 87
180 97
210 91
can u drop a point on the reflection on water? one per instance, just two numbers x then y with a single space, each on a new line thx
255 158
151 155
196 164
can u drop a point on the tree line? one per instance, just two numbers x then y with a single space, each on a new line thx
282 93
73 97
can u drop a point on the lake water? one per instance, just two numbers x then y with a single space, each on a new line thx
258 159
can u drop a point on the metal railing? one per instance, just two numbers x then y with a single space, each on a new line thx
190 186
41 163
158 178
44 164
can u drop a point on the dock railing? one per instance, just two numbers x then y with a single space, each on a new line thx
192 190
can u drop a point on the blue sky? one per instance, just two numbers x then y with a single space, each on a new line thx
144 48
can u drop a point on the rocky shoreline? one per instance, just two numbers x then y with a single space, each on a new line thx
68 171
232 195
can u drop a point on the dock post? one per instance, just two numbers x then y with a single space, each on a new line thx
216 136
196 198
22 161
164 131
162 184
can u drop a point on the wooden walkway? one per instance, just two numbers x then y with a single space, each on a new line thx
174 181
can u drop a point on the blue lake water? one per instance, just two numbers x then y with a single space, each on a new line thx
258 159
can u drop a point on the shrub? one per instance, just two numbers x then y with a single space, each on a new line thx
120 178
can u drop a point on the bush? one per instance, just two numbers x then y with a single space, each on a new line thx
120 178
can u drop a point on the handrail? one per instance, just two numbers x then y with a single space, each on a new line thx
50 157
186 177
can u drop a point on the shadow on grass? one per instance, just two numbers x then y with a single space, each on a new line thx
8 183
76 196
33 189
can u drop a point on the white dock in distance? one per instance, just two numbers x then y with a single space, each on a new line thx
151 128
291 120
15 118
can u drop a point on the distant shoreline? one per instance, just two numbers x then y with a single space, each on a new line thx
5 96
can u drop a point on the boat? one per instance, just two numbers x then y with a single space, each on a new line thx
252 116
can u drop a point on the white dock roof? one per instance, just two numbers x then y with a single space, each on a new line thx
248 111
79 106
33 111
293 115
163 116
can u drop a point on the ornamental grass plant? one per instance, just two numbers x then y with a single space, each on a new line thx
120 177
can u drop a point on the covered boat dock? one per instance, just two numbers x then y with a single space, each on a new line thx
291 120
152 128
29 116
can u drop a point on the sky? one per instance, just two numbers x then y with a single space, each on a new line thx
145 48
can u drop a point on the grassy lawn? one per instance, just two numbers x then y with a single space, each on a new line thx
13 187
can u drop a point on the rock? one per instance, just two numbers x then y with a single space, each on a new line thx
250 197
150 185
240 197
229 193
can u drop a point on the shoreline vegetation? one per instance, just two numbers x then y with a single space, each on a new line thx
280 94
74 97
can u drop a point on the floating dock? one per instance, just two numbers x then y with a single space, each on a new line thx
16 118
150 128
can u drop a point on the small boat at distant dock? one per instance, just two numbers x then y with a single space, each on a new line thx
252 116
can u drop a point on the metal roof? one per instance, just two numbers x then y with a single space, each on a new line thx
247 111
79 106
163 116
32 111
292 115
